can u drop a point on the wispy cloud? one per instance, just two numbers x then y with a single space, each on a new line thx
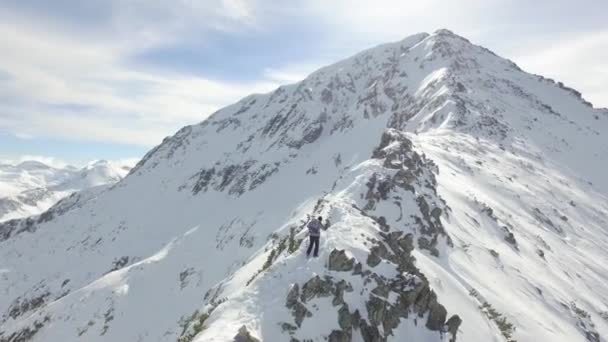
50 161
66 86
292 73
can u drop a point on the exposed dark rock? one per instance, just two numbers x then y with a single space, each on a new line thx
370 333
509 237
453 324
406 243
316 287
344 318
340 288
17 226
326 96
288 328
382 289
378 189
424 243
119 263
26 334
339 336
373 260
339 261
244 336
358 268
225 123
391 320
381 221
541 217
263 173
21 306
233 177
540 253
299 311
292 296
436 213
437 316
311 134
184 276
376 255
585 323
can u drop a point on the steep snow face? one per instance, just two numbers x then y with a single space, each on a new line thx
32 187
463 197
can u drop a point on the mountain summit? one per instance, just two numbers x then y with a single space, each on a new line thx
465 200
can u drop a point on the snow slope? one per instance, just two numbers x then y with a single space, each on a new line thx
465 201
32 187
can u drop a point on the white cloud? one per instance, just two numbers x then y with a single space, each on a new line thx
52 73
50 161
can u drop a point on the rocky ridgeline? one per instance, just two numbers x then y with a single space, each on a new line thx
408 174
415 299
407 171
393 289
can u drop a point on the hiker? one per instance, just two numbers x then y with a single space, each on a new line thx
314 232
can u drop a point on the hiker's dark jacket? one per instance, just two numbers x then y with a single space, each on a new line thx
314 227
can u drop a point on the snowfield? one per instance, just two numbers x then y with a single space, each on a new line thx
466 200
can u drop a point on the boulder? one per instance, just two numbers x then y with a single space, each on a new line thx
316 287
292 296
453 324
244 336
437 316
339 336
300 311
377 253
339 261
345 319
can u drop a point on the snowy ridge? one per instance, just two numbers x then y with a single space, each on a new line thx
465 201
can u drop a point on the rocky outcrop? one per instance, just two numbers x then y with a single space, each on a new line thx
27 333
236 179
244 336
339 261
298 310
414 297
408 170
453 324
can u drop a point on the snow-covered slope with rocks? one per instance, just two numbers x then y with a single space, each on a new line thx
32 187
465 200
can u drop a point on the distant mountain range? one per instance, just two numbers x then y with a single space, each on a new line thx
32 187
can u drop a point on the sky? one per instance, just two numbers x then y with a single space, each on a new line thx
109 79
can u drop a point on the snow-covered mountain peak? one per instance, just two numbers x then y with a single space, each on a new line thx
464 200
100 172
